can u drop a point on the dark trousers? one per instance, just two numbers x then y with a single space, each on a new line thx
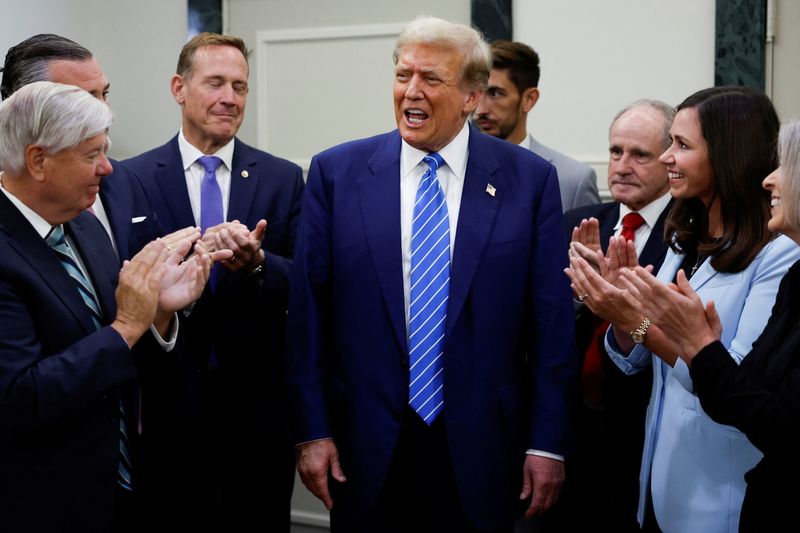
419 494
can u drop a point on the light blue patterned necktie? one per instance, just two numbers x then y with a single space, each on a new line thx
58 242
430 287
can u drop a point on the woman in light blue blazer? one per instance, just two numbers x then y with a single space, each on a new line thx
723 144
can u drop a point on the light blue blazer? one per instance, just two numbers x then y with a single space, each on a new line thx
694 466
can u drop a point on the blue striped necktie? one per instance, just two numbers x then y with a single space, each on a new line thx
58 242
430 287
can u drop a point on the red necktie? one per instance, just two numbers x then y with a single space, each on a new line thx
592 370
630 223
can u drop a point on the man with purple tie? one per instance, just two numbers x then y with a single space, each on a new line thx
232 467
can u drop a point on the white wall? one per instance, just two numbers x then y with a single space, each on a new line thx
325 83
596 57
136 42
786 88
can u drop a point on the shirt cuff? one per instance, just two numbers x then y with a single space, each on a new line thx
549 455
167 345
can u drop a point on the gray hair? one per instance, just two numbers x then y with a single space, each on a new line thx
55 116
789 152
437 32
666 110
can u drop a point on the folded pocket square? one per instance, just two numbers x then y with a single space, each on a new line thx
134 220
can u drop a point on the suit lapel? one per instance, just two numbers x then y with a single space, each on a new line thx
96 260
244 182
171 181
41 259
475 222
118 212
379 193
655 249
607 226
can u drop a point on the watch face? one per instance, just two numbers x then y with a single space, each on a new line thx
637 337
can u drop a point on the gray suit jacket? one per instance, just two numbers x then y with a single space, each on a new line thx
577 181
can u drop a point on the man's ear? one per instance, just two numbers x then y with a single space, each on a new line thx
471 100
35 157
529 98
178 86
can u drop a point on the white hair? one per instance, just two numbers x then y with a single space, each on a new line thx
54 116
789 150
477 62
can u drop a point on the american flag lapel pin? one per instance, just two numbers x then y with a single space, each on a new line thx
490 190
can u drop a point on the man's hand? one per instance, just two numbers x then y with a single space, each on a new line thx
542 478
245 244
183 281
588 234
314 460
137 291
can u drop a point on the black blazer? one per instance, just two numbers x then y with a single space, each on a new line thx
761 397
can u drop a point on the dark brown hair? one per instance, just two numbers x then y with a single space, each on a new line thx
203 40
740 127
521 61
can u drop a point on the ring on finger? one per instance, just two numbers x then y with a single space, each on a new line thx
583 297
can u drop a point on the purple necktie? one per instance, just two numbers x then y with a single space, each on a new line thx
210 194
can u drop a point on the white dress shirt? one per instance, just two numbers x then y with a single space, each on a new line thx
451 179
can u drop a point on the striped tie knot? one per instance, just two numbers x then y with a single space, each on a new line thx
433 160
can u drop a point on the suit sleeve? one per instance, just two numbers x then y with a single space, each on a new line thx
552 360
40 390
769 418
307 330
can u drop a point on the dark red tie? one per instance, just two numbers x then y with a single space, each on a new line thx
592 370
630 223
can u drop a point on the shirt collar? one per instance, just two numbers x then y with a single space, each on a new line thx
190 154
41 226
650 212
455 155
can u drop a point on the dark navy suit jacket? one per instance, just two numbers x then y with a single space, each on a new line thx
509 342
132 219
228 426
60 381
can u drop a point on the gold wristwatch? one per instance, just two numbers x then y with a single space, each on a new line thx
638 335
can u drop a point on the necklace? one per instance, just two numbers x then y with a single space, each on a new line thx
701 258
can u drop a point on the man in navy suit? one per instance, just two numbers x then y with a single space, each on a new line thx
601 492
235 465
72 346
122 206
487 438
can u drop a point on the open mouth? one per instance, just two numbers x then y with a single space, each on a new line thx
674 176
415 117
775 201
